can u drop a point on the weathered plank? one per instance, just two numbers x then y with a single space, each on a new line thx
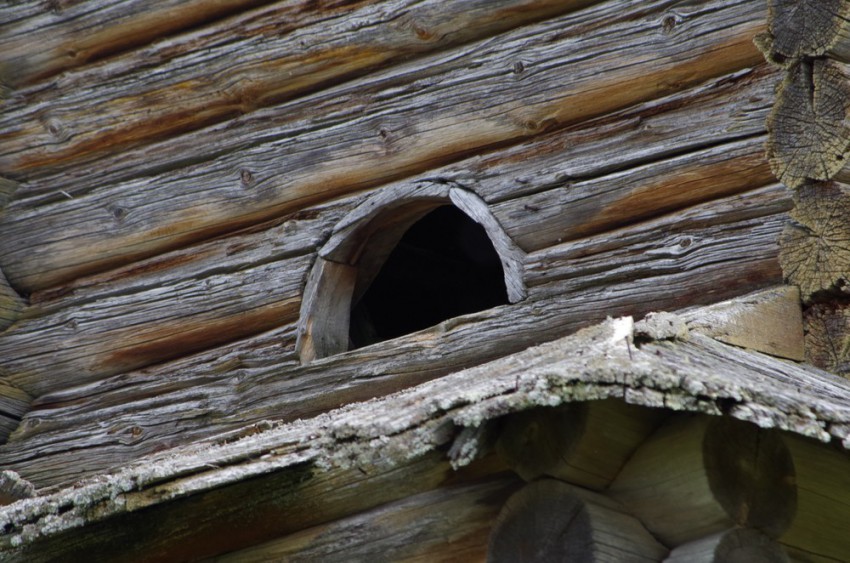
446 524
266 462
711 252
816 246
429 112
280 52
40 39
809 136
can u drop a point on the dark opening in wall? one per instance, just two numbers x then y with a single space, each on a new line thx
444 266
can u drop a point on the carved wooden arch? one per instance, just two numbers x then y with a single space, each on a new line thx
344 270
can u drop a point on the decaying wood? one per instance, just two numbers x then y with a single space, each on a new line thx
266 462
13 488
191 81
770 322
828 336
819 532
808 28
809 127
698 476
815 247
584 444
549 520
431 112
326 310
714 251
737 544
446 524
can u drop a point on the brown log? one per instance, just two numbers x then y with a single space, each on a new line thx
828 336
808 28
428 114
714 251
809 135
738 545
584 444
283 51
819 531
699 475
815 247
446 524
549 520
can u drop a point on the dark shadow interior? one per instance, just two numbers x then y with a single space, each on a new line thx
443 266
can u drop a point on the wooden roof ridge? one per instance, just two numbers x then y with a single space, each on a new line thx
678 361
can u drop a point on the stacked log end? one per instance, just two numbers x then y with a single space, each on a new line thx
809 150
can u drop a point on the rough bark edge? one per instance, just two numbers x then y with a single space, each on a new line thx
595 363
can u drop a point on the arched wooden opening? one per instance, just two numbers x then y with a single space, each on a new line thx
388 230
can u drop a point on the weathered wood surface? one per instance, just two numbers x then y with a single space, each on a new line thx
808 28
585 444
717 250
809 132
816 245
431 112
828 336
269 464
11 304
737 544
697 476
446 524
191 81
549 520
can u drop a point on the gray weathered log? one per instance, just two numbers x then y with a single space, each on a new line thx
809 127
714 251
11 304
430 112
742 545
828 336
815 246
549 520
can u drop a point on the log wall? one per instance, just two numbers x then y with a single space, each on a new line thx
160 245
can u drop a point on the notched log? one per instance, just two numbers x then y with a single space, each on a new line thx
828 336
801 28
815 247
809 133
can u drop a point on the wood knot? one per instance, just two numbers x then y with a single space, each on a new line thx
246 177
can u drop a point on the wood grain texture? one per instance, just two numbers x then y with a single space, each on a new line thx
272 461
431 111
809 137
714 251
816 245
808 28
282 51
828 336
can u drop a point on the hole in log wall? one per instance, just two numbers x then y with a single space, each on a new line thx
405 260
443 266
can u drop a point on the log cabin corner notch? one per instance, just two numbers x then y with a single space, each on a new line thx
362 243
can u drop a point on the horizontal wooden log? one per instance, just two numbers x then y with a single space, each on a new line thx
816 245
809 135
11 304
700 475
714 251
828 336
282 51
737 544
551 521
581 208
819 532
41 39
430 112
585 444
446 524
808 28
